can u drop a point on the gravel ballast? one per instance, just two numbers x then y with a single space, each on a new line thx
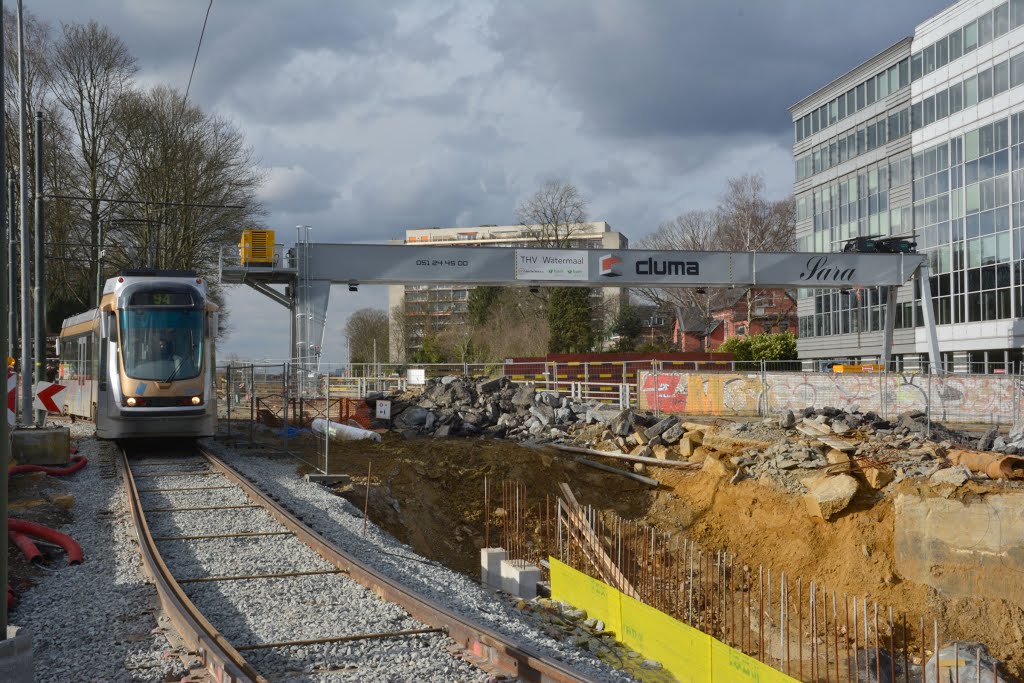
264 611
342 523
95 621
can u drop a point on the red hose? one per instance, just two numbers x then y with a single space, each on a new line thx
69 544
25 545
77 463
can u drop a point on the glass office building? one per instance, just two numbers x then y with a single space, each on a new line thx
924 139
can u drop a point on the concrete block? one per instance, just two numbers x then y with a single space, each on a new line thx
16 656
830 495
519 578
962 548
490 566
43 446
329 479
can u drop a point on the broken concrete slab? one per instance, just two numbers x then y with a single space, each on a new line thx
837 457
718 467
947 480
829 496
664 453
672 434
41 446
878 477
660 427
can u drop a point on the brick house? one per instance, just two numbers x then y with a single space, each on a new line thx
772 310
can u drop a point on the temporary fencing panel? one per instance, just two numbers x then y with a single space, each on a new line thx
954 398
687 653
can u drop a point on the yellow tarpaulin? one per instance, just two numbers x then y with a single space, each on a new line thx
690 655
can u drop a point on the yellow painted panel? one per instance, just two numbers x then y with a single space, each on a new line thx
682 650
600 600
728 664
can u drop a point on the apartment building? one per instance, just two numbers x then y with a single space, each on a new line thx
923 140
428 308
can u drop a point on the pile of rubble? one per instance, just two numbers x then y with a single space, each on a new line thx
564 622
498 408
827 454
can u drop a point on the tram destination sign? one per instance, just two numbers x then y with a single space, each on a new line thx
398 264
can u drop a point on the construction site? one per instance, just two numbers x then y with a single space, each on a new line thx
821 541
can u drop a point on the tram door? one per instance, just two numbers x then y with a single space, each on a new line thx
78 382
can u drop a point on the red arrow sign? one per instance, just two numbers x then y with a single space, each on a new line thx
49 397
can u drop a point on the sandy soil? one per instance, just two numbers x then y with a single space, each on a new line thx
429 494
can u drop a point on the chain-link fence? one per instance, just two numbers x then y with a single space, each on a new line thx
952 398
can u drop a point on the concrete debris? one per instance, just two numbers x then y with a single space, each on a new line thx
561 622
947 480
501 408
962 661
829 496
878 452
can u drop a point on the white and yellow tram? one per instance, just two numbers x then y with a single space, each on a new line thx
141 365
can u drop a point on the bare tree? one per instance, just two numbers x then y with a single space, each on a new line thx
694 306
745 220
197 176
748 221
516 326
367 333
92 72
555 213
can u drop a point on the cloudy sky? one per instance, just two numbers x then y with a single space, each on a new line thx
372 117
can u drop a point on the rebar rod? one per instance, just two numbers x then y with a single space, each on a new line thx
800 626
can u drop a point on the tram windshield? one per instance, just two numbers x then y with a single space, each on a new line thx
161 344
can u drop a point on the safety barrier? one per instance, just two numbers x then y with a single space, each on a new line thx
991 398
690 655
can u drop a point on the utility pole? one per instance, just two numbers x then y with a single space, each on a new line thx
39 292
12 266
26 304
5 299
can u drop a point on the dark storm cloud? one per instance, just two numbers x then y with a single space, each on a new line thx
638 69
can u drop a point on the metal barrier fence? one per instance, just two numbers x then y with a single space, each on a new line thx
954 398
727 388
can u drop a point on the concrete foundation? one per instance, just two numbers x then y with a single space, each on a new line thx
519 578
16 656
490 566
43 446
963 548
329 479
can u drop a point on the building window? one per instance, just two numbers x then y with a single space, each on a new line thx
741 330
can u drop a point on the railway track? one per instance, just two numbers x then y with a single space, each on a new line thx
257 594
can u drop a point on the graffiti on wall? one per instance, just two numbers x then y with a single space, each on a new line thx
981 398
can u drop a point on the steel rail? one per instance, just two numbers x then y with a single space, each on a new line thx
219 657
491 649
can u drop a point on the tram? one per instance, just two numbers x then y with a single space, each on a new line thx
141 365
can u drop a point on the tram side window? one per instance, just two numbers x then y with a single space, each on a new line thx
77 357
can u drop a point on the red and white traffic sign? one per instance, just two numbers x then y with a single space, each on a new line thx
49 397
12 396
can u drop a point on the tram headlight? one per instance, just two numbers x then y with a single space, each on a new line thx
196 400
130 402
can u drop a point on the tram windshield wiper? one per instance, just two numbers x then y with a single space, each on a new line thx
178 365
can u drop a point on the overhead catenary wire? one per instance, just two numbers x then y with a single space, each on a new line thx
196 58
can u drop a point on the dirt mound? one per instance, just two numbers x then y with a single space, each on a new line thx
429 493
